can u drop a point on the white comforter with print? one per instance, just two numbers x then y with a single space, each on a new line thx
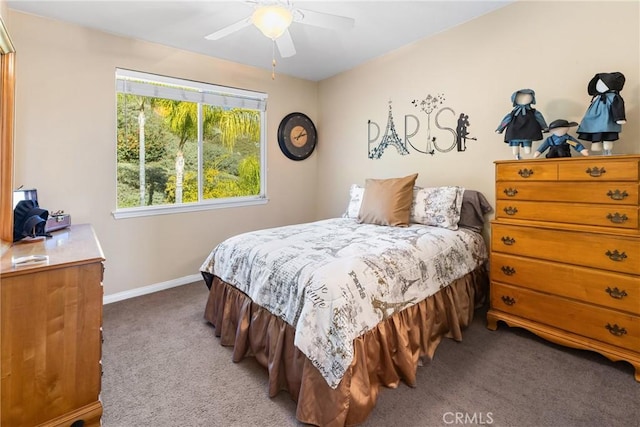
335 279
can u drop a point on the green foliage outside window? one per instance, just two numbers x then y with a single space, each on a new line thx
168 130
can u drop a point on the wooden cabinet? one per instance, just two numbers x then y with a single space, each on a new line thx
565 252
50 334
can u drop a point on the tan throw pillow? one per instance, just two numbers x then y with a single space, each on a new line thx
387 201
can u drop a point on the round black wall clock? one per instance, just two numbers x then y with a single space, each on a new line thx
297 136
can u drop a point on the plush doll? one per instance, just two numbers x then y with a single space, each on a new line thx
524 123
605 116
559 141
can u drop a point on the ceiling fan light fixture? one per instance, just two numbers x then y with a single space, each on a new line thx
272 20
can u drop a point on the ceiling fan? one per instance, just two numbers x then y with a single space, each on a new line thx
273 18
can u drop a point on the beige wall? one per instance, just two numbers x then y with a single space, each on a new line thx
65 119
65 146
554 48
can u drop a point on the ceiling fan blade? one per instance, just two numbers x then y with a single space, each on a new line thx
229 29
285 45
325 20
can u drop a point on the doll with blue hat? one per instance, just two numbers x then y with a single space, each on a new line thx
559 142
524 124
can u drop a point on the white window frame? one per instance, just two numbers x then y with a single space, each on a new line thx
133 82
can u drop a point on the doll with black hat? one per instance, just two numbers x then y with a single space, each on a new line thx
524 124
605 115
559 141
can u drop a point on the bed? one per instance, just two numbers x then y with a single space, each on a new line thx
337 308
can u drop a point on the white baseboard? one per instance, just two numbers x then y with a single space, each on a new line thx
108 299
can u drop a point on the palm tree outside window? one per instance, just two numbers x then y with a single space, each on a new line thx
184 145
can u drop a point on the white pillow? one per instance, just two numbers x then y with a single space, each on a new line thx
437 206
355 200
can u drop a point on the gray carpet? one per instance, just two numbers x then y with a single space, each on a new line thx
163 366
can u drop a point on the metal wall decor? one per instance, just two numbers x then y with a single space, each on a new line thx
434 140
390 138
462 135
427 105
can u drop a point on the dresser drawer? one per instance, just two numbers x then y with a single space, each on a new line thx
614 290
605 251
599 170
529 171
610 326
618 193
621 216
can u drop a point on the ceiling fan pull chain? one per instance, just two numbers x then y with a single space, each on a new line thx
273 61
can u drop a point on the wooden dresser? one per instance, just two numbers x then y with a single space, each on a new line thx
50 334
565 252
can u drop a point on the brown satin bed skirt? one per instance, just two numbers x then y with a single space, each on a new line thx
385 355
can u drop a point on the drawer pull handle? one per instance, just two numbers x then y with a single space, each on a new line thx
616 218
525 173
615 255
510 210
508 240
616 293
617 194
616 330
596 172
509 271
510 192
510 301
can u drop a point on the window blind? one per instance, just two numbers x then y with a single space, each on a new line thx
157 86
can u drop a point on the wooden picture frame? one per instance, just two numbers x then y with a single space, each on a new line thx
7 117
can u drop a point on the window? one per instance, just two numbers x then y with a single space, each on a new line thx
185 145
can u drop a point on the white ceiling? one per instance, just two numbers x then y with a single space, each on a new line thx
380 27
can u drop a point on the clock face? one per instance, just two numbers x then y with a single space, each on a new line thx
297 136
